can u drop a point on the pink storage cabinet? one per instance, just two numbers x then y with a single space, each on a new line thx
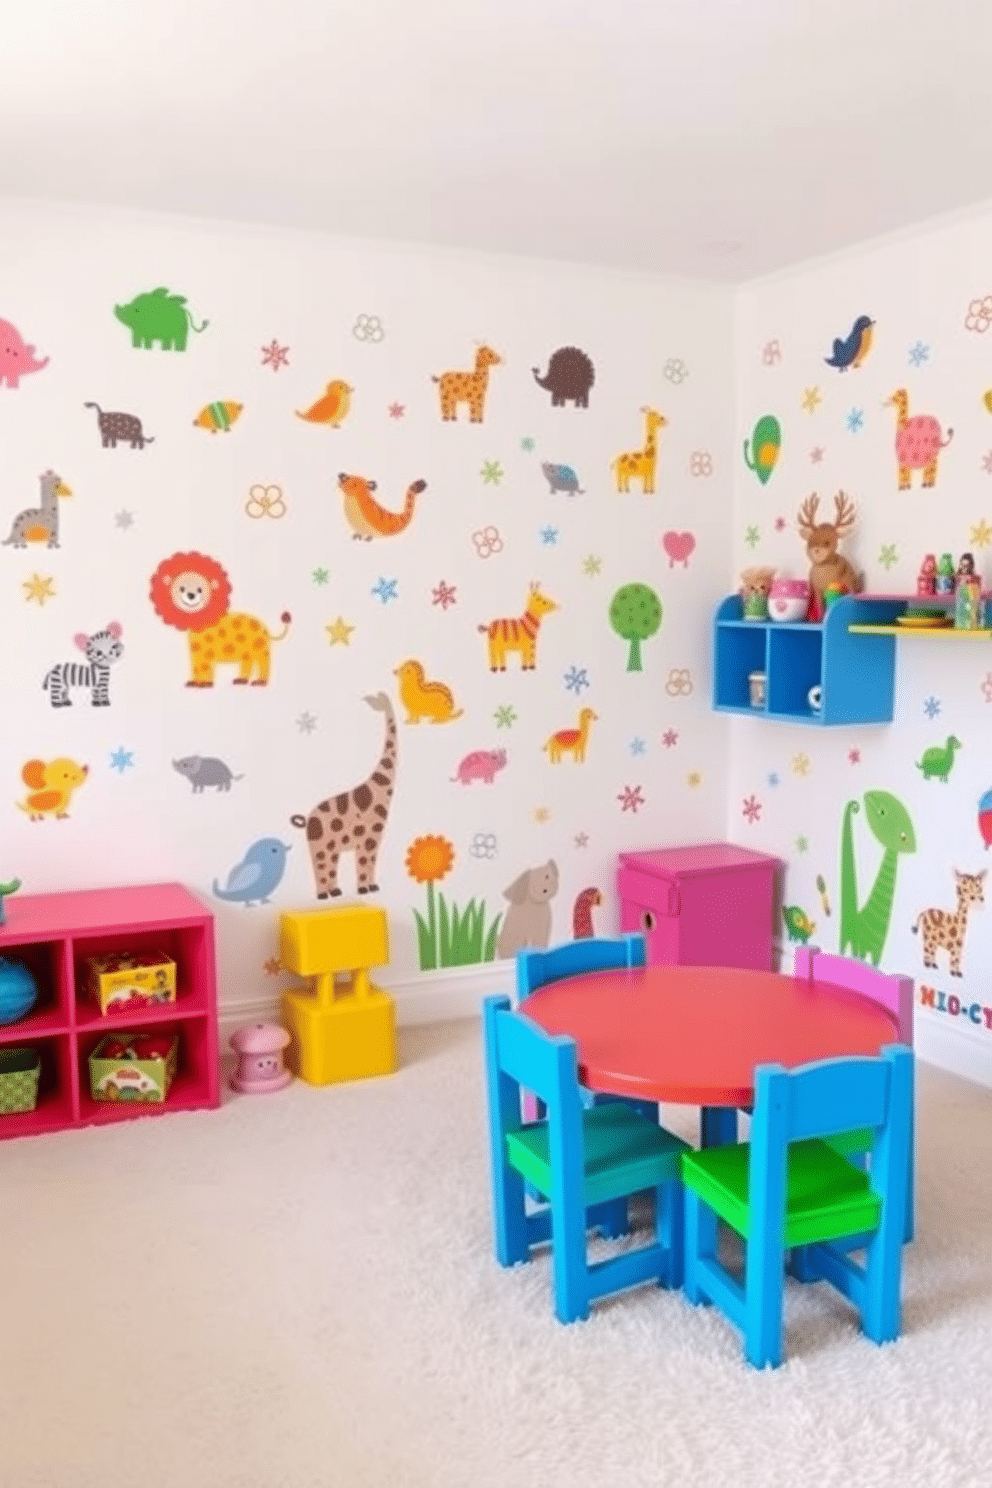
707 904
54 934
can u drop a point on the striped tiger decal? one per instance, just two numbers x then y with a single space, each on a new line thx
101 650
518 633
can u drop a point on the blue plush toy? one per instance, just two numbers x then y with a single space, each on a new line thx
18 991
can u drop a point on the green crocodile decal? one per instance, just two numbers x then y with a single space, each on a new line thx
863 931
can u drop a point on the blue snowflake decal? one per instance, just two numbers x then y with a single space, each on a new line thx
549 535
385 589
576 678
773 778
931 707
121 760
856 420
637 746
919 353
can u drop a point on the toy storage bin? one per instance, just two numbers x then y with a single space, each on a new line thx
20 1070
707 904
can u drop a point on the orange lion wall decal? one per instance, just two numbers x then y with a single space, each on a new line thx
191 592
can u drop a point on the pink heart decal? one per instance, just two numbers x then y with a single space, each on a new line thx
679 546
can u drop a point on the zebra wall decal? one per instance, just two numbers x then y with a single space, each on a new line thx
101 650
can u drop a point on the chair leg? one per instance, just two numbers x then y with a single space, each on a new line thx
568 1257
616 1220
880 1316
718 1126
801 1266
670 1232
763 1289
509 1217
700 1245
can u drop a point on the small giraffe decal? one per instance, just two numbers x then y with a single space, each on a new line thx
572 741
518 633
355 820
918 442
944 930
640 464
467 387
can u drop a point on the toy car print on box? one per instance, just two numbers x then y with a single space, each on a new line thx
134 1067
130 980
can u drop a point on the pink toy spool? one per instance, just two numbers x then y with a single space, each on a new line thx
260 1069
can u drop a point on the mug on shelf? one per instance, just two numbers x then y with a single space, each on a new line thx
756 688
815 699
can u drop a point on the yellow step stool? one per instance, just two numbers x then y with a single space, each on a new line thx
339 1031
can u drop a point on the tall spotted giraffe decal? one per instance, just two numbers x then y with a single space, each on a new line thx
641 464
354 820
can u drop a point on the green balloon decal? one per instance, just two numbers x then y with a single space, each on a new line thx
761 450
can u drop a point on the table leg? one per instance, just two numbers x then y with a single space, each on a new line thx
718 1126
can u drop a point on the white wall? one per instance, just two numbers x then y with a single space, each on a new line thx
918 290
62 273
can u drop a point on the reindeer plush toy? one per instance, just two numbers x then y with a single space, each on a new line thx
827 566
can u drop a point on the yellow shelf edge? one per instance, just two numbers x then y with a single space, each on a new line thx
909 630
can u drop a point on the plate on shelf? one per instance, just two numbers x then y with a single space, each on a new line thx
925 622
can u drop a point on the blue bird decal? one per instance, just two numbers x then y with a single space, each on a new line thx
852 351
258 874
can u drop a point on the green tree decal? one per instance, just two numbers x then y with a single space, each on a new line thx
635 615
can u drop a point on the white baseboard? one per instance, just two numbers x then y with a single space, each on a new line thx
966 1054
436 998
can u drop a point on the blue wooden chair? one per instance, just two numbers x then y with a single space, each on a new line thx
577 958
581 1160
788 1190
895 994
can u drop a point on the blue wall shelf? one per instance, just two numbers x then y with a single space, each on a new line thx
856 670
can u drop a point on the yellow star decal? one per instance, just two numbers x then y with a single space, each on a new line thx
812 398
694 778
981 534
38 588
340 632
542 814
800 764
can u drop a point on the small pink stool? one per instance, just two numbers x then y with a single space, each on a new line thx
260 1069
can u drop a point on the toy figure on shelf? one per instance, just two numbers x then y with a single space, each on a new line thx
827 566
754 588
945 575
6 889
969 607
926 579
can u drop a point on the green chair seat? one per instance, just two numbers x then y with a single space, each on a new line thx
850 1144
827 1197
624 1153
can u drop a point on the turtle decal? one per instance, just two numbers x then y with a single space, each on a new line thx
562 478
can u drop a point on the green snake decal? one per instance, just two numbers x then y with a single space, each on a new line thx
863 930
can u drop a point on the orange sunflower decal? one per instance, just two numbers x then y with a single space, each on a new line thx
429 859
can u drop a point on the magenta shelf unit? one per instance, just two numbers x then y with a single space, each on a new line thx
54 934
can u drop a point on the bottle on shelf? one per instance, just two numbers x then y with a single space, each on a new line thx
926 579
945 574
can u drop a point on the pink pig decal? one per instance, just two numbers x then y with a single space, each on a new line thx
16 358
482 764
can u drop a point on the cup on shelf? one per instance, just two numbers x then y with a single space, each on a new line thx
788 599
815 699
756 688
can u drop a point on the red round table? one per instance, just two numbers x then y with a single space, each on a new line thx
692 1035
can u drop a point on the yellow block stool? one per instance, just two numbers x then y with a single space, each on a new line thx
339 1032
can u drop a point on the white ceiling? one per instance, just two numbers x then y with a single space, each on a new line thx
717 138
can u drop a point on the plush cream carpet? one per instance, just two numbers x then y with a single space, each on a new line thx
299 1291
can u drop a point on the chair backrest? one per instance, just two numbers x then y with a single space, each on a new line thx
823 1099
894 993
521 1056
538 968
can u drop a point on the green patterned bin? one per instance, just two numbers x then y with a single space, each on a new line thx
19 1071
